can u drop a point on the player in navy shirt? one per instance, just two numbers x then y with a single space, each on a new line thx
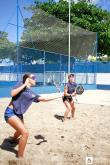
69 92
22 98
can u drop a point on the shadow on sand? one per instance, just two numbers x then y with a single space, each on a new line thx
9 145
59 117
40 137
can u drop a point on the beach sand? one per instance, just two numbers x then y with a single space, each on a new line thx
52 142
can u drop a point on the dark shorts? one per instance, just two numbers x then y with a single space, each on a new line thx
67 98
9 112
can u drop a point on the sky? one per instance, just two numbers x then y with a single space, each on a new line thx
105 4
8 14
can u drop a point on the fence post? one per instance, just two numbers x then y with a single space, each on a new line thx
44 69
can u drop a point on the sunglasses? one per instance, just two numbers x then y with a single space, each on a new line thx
33 77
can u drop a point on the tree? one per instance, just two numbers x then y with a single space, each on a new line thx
7 48
84 15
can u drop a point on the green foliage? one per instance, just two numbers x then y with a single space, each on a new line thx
84 15
7 48
87 16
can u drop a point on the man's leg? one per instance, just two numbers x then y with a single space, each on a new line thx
68 106
17 133
18 125
72 109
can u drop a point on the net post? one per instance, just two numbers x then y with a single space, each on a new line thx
69 46
96 58
44 69
17 35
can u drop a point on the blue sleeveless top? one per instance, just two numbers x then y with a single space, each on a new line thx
71 87
23 99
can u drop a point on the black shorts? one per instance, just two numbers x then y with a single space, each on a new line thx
67 98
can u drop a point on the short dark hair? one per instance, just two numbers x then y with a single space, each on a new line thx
71 75
25 76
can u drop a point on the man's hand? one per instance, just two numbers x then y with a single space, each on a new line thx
27 81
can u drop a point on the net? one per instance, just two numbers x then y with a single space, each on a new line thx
43 47
48 33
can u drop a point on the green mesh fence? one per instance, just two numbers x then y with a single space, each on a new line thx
48 33
43 47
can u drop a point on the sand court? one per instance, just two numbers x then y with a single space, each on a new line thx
52 142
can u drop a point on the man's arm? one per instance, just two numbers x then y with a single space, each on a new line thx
74 93
46 99
65 91
15 91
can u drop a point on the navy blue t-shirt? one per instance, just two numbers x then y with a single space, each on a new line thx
71 87
23 99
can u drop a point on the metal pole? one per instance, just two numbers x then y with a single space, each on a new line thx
69 44
17 43
60 68
44 68
96 45
95 81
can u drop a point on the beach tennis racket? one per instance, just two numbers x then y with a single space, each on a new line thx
59 90
79 90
